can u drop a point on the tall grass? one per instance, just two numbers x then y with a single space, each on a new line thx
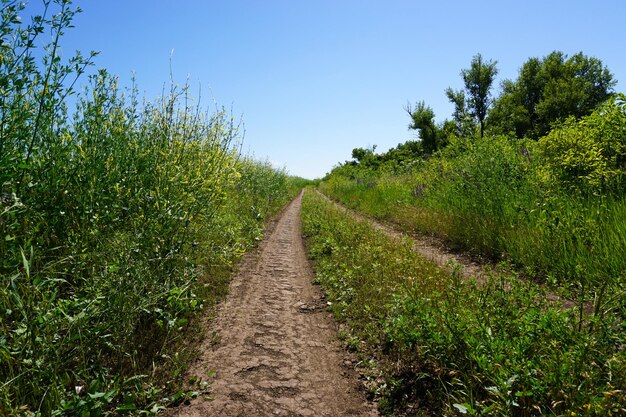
118 221
376 195
494 198
443 345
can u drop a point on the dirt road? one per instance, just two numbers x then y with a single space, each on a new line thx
274 350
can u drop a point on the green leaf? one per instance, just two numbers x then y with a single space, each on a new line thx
127 407
20 330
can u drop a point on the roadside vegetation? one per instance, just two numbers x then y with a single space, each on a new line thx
533 179
119 220
553 207
439 344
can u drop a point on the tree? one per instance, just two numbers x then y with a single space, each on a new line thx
361 154
462 121
423 120
548 90
478 80
366 157
406 152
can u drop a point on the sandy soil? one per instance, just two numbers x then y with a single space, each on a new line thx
273 349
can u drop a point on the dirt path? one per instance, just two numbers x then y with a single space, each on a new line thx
274 350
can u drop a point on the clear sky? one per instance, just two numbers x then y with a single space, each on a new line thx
313 79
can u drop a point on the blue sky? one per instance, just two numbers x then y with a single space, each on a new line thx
314 79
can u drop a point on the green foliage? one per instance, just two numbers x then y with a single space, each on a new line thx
555 208
548 90
423 120
478 80
503 199
362 155
367 164
116 225
480 185
372 197
464 124
470 108
449 345
403 157
588 156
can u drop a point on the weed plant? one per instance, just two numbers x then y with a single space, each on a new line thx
118 222
448 346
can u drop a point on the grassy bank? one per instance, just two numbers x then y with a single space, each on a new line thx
445 346
119 220
555 208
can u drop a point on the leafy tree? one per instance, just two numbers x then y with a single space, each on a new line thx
423 120
462 123
403 156
549 90
410 148
365 158
478 80
361 154
366 163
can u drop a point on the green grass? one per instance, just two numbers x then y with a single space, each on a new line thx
493 197
443 345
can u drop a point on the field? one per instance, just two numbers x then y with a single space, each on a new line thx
548 212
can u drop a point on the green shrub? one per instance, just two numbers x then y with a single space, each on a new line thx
588 156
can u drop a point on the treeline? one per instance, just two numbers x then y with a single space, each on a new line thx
533 179
118 221
546 92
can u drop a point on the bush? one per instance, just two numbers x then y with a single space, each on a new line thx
588 156
512 200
